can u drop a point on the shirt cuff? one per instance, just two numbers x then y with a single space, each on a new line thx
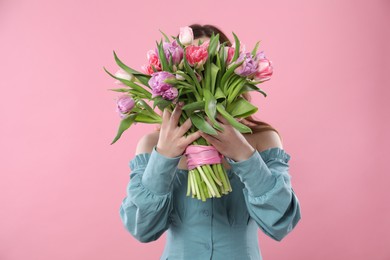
254 173
160 172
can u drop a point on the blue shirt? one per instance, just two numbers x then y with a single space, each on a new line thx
220 228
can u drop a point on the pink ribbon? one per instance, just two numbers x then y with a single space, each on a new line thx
198 155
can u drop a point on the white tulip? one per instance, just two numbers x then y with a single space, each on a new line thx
186 35
123 75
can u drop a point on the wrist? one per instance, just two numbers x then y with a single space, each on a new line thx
165 153
245 155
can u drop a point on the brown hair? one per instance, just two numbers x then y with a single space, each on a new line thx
206 31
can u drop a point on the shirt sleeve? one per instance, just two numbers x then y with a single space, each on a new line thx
268 193
145 209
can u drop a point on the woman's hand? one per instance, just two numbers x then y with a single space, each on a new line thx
171 141
231 143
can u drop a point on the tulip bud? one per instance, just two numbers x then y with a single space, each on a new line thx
123 75
186 35
124 105
179 77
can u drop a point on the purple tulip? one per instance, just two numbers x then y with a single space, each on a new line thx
124 105
249 66
173 49
170 94
160 88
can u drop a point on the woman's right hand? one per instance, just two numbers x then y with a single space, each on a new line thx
172 142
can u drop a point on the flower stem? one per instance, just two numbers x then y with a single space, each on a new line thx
206 180
213 175
210 179
225 186
199 187
193 182
226 177
189 184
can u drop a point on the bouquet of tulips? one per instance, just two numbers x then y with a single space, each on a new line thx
209 77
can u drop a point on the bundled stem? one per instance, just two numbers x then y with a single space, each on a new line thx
206 181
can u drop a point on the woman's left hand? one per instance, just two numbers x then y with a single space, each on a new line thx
230 142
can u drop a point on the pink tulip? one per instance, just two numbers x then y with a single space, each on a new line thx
153 59
205 44
229 53
196 55
265 69
147 69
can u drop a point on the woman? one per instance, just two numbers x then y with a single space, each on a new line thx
219 228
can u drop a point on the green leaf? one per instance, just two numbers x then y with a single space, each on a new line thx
237 125
142 118
170 59
165 36
202 124
143 78
191 107
237 48
146 106
241 108
214 72
222 63
207 77
219 94
213 45
161 103
255 48
172 81
185 75
186 86
249 87
124 125
234 90
228 73
211 108
137 94
186 91
190 71
131 84
188 82
161 54
120 89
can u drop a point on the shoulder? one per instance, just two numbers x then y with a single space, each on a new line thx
267 139
147 142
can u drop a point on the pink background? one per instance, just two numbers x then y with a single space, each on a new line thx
62 183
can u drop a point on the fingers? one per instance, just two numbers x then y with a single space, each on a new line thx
208 120
165 117
210 139
211 123
176 114
192 137
222 119
185 127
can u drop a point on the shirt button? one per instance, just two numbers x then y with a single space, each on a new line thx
205 212
207 246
